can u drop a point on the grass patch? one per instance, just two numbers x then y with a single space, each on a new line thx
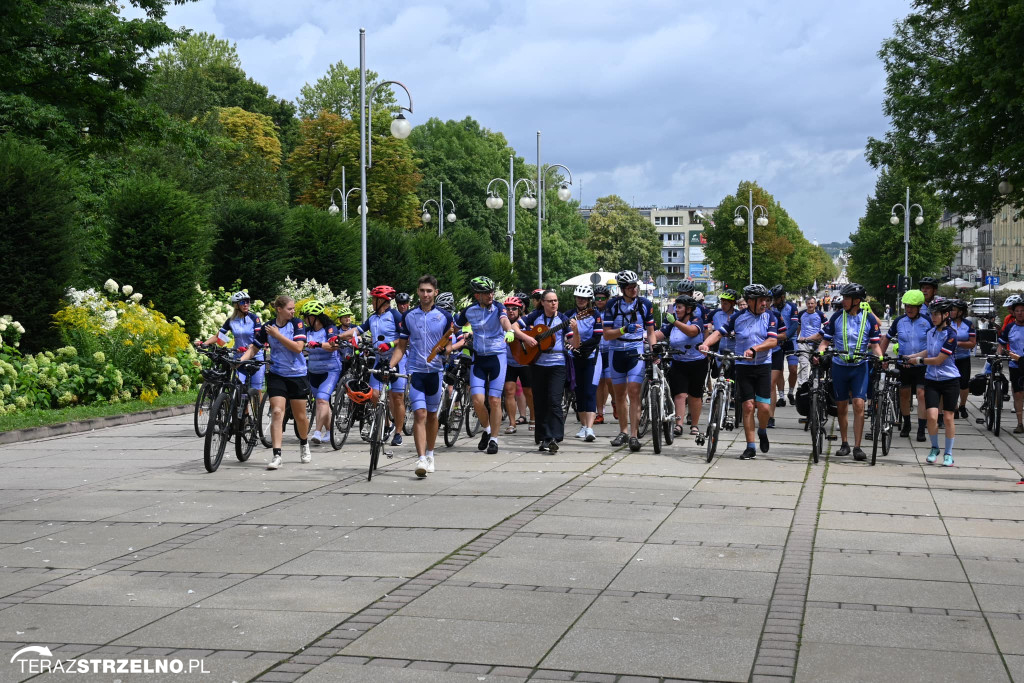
38 417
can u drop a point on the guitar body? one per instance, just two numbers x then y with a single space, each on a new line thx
526 355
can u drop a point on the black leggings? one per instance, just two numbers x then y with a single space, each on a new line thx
548 385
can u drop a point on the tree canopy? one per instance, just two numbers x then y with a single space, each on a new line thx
621 238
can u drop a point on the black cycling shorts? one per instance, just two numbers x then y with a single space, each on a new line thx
1016 379
912 376
778 359
944 391
292 388
522 374
753 381
964 366
688 377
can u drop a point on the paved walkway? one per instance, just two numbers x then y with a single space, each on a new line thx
593 564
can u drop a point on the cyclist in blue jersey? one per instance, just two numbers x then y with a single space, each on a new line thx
403 302
548 373
628 322
1011 341
384 325
756 332
286 380
492 331
785 311
604 387
241 326
515 372
423 327
323 364
585 338
929 286
344 325
720 316
689 368
809 324
688 288
910 332
966 340
942 379
851 330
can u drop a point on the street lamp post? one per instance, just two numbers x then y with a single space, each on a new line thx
400 128
755 214
441 218
564 193
333 209
528 201
895 220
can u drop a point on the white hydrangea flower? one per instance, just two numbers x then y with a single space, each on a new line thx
136 297
110 286
18 328
127 290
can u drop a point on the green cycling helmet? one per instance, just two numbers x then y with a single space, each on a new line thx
913 297
482 284
343 311
728 295
313 307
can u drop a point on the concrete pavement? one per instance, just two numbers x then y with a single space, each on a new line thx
593 564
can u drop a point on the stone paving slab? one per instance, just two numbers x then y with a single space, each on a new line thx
889 566
889 629
95 624
343 672
863 664
875 591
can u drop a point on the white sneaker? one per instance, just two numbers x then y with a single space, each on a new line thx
304 454
316 438
422 465
430 464
274 463
582 433
589 436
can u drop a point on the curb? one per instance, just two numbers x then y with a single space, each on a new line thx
48 431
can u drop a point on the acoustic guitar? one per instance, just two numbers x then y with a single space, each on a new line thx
545 337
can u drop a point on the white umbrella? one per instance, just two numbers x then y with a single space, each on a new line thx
584 279
960 283
1016 285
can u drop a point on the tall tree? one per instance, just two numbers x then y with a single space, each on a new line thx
955 96
253 245
621 238
876 253
71 73
337 92
253 152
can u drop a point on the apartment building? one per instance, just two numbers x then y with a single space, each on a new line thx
1008 244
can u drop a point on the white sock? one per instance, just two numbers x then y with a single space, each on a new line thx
487 430
494 439
429 454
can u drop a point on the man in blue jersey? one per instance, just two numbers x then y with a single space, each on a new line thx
422 329
851 330
910 331
1011 341
811 320
628 320
785 311
756 332
929 286
492 331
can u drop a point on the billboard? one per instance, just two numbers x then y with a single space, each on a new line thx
699 271
696 253
697 239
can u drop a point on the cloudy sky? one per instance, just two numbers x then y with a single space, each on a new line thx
662 102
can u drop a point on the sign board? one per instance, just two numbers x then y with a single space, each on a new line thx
698 271
992 280
595 278
697 238
696 253
662 282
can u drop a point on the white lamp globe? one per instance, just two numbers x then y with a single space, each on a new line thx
450 217
425 217
919 220
762 221
564 193
497 202
524 202
359 209
533 202
894 219
738 221
333 209
400 127
1005 187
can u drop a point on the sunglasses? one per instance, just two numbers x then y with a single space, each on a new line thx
602 298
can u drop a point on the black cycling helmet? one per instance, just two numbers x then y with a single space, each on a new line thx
928 280
854 291
600 290
755 291
684 287
942 306
402 298
777 291
685 300
961 304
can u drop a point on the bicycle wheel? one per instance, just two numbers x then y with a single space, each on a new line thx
877 417
341 419
814 419
645 410
246 425
310 418
714 424
890 401
654 401
204 401
407 423
376 439
667 415
473 425
568 402
265 419
218 432
454 417
997 405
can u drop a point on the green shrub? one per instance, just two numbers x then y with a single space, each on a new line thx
39 235
390 258
324 248
252 247
160 241
438 258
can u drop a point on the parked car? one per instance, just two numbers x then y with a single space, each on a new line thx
711 301
982 306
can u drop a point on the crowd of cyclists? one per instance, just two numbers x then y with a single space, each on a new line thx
525 350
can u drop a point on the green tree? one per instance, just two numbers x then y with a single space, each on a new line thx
252 152
253 245
876 252
40 237
389 258
620 238
325 248
955 97
438 258
160 242
337 92
71 73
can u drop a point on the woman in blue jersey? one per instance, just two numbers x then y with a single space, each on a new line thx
587 330
966 340
323 364
689 367
286 381
941 378
1011 341
241 327
514 371
548 373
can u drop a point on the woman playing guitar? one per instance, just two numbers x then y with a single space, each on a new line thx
548 373
586 334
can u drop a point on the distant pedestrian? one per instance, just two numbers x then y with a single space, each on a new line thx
887 311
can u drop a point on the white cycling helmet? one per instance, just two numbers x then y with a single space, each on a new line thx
699 296
584 292
239 296
1012 301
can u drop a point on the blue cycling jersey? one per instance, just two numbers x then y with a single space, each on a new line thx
809 324
386 325
1012 338
619 313
424 329
556 354
718 320
283 362
787 316
242 331
964 332
684 346
942 343
488 333
751 330
911 333
844 331
588 327
320 361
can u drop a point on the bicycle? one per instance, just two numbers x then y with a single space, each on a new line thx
344 413
266 418
233 414
456 406
996 386
215 379
885 400
719 417
379 416
661 406
822 402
